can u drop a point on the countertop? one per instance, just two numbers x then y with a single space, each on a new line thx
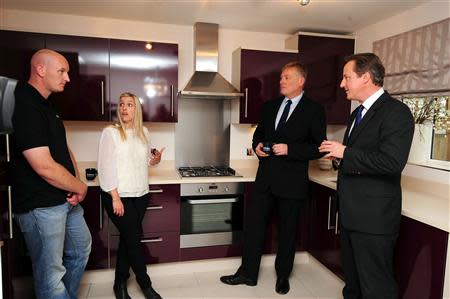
424 201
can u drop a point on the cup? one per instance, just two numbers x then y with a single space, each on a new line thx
91 173
267 147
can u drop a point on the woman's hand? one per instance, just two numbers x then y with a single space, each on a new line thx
155 156
118 208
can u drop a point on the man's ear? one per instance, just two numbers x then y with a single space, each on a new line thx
302 81
40 70
366 77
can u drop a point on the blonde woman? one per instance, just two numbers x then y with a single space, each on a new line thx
123 158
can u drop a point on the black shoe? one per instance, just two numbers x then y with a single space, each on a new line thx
282 286
236 279
120 290
150 293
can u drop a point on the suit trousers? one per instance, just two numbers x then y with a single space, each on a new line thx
258 214
130 252
367 260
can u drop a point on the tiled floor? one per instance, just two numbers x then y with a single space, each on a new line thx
200 280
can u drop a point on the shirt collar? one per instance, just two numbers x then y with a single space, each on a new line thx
371 100
295 100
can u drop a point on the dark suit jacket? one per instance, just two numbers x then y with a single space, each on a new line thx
287 176
369 190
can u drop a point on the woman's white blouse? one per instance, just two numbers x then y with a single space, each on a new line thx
123 164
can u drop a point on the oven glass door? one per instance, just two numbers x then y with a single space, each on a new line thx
211 214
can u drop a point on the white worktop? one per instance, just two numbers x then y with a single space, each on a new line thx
424 201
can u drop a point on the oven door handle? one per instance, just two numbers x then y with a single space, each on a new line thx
209 201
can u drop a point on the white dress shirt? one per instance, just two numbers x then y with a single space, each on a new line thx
294 104
123 164
368 103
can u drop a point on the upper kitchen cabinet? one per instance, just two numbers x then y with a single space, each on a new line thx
149 70
324 58
85 96
16 49
258 75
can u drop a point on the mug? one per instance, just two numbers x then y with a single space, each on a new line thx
91 173
267 147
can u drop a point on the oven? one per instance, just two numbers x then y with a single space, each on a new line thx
211 214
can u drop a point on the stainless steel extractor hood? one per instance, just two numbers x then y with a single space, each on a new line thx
206 81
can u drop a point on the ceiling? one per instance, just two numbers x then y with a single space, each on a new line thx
277 16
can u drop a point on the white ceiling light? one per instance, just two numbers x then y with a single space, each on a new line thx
303 2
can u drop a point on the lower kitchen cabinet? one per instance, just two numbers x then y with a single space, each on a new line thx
420 254
420 260
160 227
97 222
324 242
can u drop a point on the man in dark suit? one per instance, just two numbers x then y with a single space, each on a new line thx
296 126
374 152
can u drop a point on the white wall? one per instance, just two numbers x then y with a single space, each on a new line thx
417 17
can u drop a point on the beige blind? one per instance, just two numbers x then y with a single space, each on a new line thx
417 62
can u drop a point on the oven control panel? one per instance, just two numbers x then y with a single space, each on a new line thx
200 189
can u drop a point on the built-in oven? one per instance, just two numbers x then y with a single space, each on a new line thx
211 214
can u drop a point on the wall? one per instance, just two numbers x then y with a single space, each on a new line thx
417 17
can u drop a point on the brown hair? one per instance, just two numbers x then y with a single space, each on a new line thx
370 63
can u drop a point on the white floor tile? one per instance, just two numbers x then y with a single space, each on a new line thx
308 281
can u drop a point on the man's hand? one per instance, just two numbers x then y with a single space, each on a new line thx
259 151
280 149
333 149
75 198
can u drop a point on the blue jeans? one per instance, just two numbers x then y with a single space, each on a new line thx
59 243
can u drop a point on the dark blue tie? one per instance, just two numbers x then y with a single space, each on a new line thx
358 117
285 114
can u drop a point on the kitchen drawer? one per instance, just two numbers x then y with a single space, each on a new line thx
164 192
162 215
161 247
158 247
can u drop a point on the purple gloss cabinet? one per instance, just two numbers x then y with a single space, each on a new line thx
151 74
86 96
16 49
324 59
97 222
258 74
420 254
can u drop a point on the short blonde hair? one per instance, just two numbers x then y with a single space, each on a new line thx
138 127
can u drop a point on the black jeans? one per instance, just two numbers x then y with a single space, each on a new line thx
130 252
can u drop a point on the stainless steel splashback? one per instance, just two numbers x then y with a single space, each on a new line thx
202 134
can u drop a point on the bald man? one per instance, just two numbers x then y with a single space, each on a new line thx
46 186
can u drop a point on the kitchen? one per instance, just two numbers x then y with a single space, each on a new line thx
83 136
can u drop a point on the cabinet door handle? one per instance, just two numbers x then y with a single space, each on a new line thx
103 97
171 99
8 155
246 102
154 208
329 226
209 201
336 229
101 211
152 240
156 190
10 215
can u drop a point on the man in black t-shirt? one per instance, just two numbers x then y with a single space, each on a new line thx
46 186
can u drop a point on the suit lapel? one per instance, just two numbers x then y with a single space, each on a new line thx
366 119
274 113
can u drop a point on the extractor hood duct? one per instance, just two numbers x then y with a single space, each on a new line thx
206 81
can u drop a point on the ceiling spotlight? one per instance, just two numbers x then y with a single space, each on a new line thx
303 2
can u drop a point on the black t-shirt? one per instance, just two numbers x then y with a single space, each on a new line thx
36 123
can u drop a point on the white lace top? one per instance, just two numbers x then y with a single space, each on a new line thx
123 164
